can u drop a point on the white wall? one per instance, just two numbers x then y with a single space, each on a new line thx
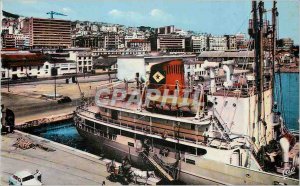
128 67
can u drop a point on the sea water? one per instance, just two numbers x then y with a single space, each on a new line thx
287 98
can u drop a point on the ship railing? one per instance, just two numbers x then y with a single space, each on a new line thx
293 131
145 129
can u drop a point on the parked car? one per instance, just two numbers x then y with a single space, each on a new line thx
23 178
64 99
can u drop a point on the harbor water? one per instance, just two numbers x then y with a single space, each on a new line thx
67 134
287 98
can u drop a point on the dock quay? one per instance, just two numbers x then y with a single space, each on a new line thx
44 121
62 165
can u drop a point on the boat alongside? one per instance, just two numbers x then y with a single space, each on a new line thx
228 133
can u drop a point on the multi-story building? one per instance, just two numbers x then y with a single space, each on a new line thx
111 40
132 36
49 33
22 41
106 28
84 60
90 41
170 43
165 30
241 41
139 44
199 43
9 41
231 42
285 44
217 43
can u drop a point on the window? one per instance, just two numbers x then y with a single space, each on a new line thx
30 177
79 63
29 67
130 144
21 68
47 66
14 69
201 152
190 161
3 74
192 126
39 67
79 57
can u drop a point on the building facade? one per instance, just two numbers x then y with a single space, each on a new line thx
84 61
217 43
170 43
139 44
231 42
49 33
199 43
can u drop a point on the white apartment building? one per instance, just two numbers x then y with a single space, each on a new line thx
170 43
218 43
84 61
109 28
199 43
134 35
139 44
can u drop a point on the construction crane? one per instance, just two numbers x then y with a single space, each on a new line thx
55 13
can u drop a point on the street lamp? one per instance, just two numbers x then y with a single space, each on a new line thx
54 73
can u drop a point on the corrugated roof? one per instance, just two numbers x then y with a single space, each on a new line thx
228 54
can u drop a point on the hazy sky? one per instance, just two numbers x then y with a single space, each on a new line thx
217 17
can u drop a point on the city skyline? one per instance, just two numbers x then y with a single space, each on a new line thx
198 15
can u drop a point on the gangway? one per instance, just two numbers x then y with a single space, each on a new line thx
157 166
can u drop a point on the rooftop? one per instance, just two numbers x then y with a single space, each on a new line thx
229 54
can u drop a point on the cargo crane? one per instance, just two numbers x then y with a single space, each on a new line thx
55 13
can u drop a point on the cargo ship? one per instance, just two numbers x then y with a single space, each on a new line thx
228 134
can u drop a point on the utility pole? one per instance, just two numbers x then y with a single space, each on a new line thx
55 87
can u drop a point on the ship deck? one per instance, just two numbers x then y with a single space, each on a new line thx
134 108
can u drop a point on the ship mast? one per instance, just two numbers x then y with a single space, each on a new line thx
260 71
274 38
257 35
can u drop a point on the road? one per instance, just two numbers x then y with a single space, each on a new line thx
85 79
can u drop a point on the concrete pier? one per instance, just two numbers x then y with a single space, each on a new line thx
64 166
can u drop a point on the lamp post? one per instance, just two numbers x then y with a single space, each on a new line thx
8 80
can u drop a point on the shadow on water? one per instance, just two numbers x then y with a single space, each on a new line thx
65 133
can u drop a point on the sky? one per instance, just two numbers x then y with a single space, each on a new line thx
217 17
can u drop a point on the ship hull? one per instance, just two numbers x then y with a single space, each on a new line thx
111 149
207 173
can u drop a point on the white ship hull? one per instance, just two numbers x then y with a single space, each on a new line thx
206 172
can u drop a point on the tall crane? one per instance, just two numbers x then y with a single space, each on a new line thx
55 13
